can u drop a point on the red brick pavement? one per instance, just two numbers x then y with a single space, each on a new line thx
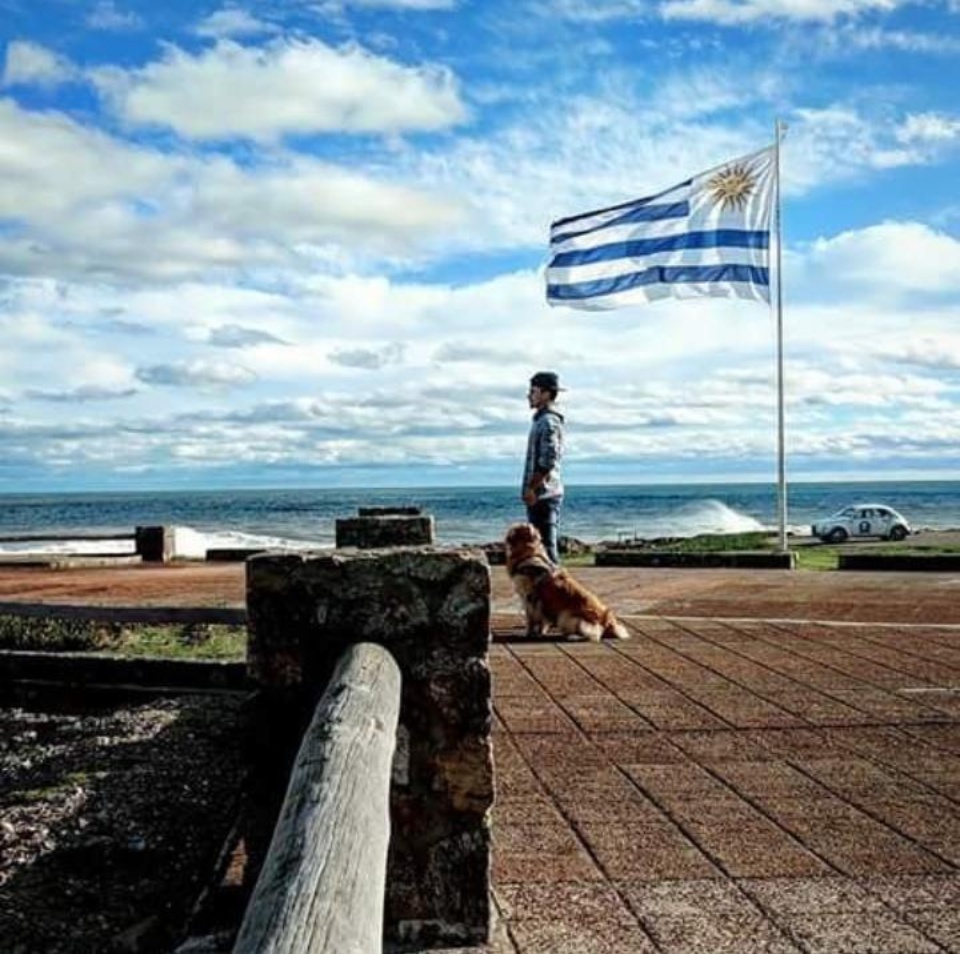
728 786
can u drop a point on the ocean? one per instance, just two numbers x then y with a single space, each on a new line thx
303 518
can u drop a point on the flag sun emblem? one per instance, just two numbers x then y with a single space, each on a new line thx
732 187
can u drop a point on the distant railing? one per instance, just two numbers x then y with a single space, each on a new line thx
151 544
66 537
321 888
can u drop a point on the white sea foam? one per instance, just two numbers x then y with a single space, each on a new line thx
188 544
711 516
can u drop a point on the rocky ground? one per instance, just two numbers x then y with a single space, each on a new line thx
111 819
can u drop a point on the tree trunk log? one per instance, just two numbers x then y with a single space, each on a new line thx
322 885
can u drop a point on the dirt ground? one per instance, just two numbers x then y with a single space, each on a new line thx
781 594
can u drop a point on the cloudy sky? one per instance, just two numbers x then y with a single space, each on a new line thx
302 243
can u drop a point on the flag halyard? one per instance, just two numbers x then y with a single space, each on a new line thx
708 236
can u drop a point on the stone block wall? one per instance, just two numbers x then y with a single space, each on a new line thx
431 609
377 530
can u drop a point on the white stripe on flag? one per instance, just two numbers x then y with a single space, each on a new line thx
709 236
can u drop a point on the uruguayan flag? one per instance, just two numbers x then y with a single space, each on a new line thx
709 235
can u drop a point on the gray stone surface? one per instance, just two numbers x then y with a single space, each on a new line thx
431 609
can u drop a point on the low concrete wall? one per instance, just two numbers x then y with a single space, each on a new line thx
431 609
759 559
901 562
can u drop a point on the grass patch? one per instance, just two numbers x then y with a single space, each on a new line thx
720 542
168 641
817 558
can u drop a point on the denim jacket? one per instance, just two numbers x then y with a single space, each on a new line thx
544 452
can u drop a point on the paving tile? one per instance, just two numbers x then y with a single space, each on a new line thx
521 808
913 892
712 917
667 860
557 920
811 895
667 780
675 713
626 748
547 868
689 897
940 924
856 932
521 715
817 708
756 850
603 713
768 780
720 746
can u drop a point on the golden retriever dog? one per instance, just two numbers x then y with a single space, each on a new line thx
551 597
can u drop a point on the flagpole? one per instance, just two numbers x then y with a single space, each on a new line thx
781 445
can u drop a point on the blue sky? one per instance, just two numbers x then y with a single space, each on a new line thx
302 243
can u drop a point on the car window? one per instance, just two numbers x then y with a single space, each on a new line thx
881 512
849 512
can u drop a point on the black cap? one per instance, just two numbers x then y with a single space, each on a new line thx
546 381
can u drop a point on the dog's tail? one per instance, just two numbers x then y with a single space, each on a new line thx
614 629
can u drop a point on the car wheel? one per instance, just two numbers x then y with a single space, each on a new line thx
837 535
898 532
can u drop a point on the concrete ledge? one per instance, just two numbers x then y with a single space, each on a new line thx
753 559
85 669
909 562
63 561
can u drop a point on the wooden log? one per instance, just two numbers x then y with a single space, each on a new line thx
321 888
128 614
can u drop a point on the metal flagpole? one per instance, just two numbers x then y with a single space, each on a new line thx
779 129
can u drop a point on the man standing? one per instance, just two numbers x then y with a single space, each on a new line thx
542 490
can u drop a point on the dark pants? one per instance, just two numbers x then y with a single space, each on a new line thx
545 516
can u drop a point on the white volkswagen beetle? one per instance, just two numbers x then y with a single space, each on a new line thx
862 520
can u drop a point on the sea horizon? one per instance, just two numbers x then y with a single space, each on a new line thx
306 516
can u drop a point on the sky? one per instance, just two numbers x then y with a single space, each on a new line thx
303 243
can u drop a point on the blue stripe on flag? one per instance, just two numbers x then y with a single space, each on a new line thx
666 275
639 213
647 200
637 248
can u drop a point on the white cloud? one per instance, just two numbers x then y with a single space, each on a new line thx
904 257
106 15
80 395
938 353
369 359
593 11
82 203
287 87
847 36
397 4
195 374
233 21
929 128
29 64
236 336
739 12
